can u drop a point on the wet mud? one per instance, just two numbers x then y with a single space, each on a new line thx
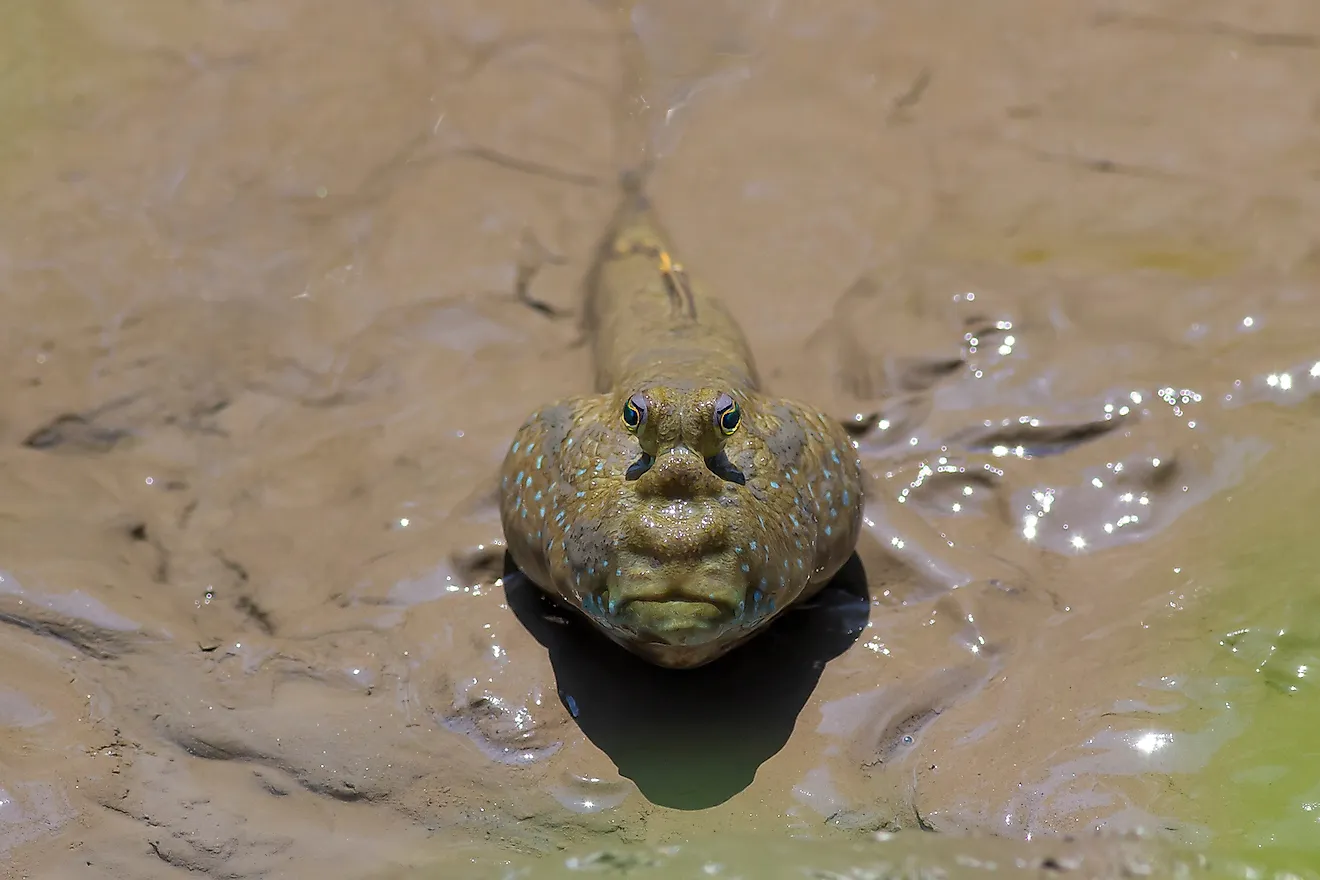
280 281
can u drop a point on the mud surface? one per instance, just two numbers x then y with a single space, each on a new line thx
280 280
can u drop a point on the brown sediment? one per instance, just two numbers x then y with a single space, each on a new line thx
265 340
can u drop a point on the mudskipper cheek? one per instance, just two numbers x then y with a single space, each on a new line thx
757 605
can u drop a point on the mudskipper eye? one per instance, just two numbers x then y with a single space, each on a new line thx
634 412
728 415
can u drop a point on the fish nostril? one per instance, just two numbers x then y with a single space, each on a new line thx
639 467
721 467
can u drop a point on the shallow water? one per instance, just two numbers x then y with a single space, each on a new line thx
266 271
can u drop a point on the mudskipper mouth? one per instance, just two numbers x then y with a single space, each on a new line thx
671 599
671 621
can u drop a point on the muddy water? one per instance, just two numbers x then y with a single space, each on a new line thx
280 280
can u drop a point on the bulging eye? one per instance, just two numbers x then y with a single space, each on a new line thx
730 418
634 412
728 415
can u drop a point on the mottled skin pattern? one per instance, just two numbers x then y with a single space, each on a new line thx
638 506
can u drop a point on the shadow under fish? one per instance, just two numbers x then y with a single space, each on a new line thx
693 738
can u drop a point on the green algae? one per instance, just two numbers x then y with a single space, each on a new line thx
1259 794
905 856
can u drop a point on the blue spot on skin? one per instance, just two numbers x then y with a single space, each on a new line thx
516 444
742 607
519 478
752 545
772 603
614 606
539 459
572 705
774 485
582 472
834 454
600 466
756 598
845 497
537 496
828 531
746 567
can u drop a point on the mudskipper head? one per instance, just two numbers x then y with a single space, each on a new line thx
681 519
679 586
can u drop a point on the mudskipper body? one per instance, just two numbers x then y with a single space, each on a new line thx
680 508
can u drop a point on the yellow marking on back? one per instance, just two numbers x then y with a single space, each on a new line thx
676 279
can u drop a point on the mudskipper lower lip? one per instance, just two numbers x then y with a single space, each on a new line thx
673 620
